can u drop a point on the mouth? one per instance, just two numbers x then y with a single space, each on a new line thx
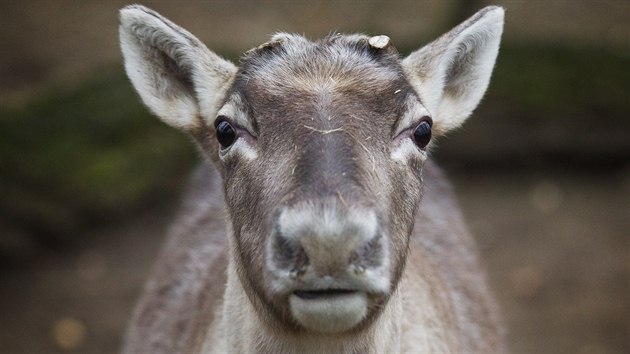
325 294
328 310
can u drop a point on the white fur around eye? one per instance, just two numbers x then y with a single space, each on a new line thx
405 150
233 110
241 147
411 118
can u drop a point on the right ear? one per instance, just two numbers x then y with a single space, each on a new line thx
176 75
452 73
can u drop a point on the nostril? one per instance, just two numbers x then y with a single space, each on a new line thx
288 255
368 255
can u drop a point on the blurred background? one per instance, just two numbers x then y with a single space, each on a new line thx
89 180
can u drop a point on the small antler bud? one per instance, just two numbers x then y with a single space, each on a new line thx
267 45
379 42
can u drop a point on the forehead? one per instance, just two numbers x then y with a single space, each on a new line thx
292 65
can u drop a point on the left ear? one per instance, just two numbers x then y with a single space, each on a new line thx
452 73
176 75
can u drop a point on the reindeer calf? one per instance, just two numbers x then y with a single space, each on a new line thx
321 225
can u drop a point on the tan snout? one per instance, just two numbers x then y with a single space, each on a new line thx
329 260
326 246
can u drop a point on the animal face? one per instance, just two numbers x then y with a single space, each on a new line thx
322 172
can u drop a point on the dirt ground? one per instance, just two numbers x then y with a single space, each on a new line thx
559 265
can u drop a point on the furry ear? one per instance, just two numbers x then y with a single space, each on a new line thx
176 75
452 73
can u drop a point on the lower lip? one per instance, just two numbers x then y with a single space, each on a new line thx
328 311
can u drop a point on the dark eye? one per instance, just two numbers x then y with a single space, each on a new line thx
225 133
422 133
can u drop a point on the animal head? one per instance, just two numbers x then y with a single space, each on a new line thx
321 146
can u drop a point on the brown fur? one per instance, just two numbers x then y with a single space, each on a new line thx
163 316
321 128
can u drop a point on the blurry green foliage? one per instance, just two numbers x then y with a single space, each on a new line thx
85 155
562 80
